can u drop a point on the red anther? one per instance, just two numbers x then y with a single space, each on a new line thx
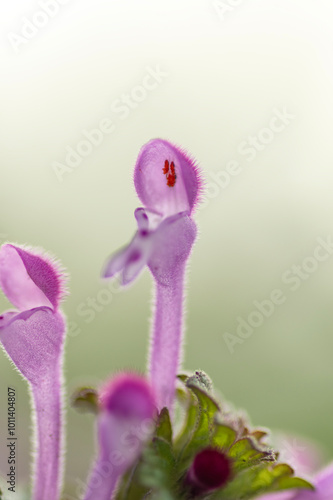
166 167
170 172
171 180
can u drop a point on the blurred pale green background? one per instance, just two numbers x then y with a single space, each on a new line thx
223 76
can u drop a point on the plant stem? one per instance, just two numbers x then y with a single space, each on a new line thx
167 338
47 401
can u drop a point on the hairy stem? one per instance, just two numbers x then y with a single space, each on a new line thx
47 401
167 338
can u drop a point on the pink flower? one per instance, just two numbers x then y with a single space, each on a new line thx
168 183
124 424
33 337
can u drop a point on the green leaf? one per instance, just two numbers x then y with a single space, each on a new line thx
223 437
164 428
165 454
260 479
287 483
153 473
181 395
239 487
202 407
264 478
206 401
206 415
183 377
276 478
156 470
244 453
130 487
259 434
85 400
199 427
189 425
282 470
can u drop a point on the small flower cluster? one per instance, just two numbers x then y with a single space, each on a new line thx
215 454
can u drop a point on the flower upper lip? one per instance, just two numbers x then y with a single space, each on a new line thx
166 178
29 279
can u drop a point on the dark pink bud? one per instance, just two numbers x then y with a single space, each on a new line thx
211 469
128 396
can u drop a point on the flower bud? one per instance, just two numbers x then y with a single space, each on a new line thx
210 470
